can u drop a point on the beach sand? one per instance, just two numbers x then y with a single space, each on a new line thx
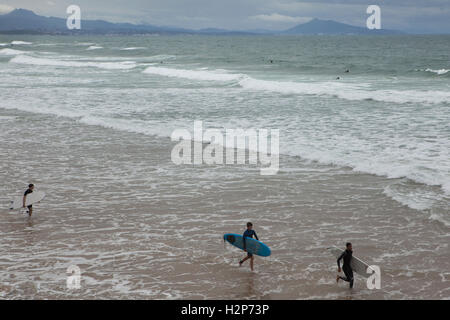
140 227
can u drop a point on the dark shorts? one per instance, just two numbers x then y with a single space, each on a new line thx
30 206
249 254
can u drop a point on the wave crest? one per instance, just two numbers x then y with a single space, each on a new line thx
24 59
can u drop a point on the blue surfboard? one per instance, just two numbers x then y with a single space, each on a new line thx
253 246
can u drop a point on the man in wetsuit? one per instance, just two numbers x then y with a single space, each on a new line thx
29 190
347 257
248 233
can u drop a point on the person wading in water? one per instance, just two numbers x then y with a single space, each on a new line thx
347 257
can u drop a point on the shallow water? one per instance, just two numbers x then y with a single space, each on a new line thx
364 159
139 226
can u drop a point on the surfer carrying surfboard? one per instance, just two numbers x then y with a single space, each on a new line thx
248 233
29 190
346 256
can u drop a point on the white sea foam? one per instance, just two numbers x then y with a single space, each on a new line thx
47 44
379 153
94 47
24 59
352 92
389 161
43 109
18 42
132 48
440 218
347 91
413 198
7 118
362 160
134 126
10 52
367 136
200 75
439 71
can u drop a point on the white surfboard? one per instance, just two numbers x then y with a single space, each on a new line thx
32 198
358 266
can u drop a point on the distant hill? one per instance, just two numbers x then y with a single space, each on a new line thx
221 31
26 21
21 19
317 26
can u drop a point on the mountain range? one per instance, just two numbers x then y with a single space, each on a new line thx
22 21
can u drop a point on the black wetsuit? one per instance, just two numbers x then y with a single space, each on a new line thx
250 234
346 267
27 193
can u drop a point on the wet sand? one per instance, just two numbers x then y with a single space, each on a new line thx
140 227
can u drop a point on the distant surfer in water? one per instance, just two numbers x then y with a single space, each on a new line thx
29 190
346 267
248 233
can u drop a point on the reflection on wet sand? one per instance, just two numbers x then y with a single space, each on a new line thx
140 227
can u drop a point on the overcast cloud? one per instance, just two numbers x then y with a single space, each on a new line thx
406 15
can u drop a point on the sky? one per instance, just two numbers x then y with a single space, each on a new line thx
420 16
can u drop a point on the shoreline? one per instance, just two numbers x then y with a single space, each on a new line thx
140 227
438 189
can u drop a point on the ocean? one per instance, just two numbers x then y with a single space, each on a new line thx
364 157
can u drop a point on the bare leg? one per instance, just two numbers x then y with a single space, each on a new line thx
251 262
243 260
30 211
